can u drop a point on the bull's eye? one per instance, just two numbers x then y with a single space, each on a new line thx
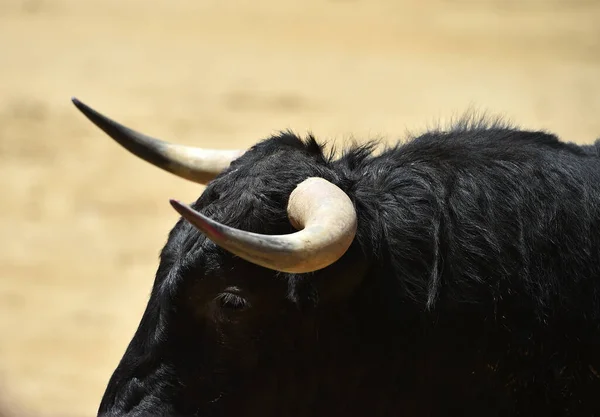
231 301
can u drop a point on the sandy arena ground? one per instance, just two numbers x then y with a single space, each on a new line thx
82 221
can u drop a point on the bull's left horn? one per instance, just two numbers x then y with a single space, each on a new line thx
322 211
195 164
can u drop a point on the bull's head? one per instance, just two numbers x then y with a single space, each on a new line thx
227 322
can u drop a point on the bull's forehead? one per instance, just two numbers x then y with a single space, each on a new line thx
253 194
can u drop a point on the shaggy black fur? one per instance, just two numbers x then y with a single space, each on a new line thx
472 288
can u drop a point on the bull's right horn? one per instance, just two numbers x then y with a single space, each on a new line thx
324 214
195 164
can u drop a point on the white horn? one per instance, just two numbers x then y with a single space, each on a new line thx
324 214
195 164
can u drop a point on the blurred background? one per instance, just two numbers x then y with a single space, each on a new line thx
82 221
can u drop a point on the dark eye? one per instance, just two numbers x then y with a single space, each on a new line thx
231 301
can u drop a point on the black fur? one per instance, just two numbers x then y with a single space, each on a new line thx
472 288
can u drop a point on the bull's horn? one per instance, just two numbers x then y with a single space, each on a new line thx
195 164
323 213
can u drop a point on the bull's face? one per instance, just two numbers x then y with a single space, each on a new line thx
232 314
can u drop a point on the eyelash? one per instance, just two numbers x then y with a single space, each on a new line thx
231 301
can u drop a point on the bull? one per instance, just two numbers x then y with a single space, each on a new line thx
454 274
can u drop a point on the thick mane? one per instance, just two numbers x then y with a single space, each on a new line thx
462 213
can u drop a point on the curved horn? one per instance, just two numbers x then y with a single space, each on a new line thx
195 164
322 211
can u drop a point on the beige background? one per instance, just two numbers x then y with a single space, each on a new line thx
82 221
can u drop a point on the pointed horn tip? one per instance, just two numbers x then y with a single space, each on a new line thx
184 210
178 206
82 107
197 219
76 102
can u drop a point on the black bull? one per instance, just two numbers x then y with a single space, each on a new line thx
471 286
